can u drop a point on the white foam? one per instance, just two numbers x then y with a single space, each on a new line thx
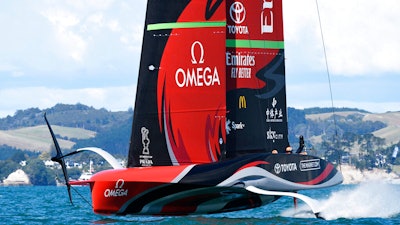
372 199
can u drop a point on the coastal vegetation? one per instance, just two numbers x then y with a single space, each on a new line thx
350 136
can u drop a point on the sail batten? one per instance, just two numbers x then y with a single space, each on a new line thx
165 26
235 43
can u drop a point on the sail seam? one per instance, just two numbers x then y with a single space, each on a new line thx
165 26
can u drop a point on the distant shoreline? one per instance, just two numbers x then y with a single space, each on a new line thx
351 175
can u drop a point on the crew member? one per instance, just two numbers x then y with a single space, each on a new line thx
301 144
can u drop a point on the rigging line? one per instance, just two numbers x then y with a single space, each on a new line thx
327 66
328 74
84 199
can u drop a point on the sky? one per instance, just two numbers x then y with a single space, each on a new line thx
88 52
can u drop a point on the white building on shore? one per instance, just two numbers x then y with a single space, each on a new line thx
17 178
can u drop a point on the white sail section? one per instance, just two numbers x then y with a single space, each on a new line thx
107 156
312 203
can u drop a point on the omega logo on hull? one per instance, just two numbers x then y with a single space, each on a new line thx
118 190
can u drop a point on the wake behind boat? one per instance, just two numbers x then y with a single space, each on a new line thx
210 110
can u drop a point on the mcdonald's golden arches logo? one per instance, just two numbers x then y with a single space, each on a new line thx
242 102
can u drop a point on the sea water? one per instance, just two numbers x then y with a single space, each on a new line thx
367 203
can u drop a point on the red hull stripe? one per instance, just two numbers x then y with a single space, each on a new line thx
256 163
162 174
321 177
80 182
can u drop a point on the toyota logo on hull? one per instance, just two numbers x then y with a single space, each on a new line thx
286 167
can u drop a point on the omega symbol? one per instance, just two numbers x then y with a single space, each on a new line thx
192 51
119 183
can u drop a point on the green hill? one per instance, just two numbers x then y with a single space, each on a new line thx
74 125
351 131
349 135
38 138
382 125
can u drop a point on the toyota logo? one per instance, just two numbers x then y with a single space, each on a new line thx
237 12
277 168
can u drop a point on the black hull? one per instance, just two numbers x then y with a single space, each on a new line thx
208 188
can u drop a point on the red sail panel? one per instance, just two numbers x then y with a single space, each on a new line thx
255 36
256 97
180 100
191 85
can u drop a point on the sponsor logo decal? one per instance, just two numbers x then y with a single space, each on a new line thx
240 60
238 126
192 52
312 164
274 115
232 125
273 135
237 13
285 167
198 75
267 17
242 102
118 190
145 159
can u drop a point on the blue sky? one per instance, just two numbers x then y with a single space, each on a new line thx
88 51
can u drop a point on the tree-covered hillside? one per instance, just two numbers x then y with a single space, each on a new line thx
112 128
341 121
345 136
325 132
77 115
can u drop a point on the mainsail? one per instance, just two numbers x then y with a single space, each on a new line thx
211 82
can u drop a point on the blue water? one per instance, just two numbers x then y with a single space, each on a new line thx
367 203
